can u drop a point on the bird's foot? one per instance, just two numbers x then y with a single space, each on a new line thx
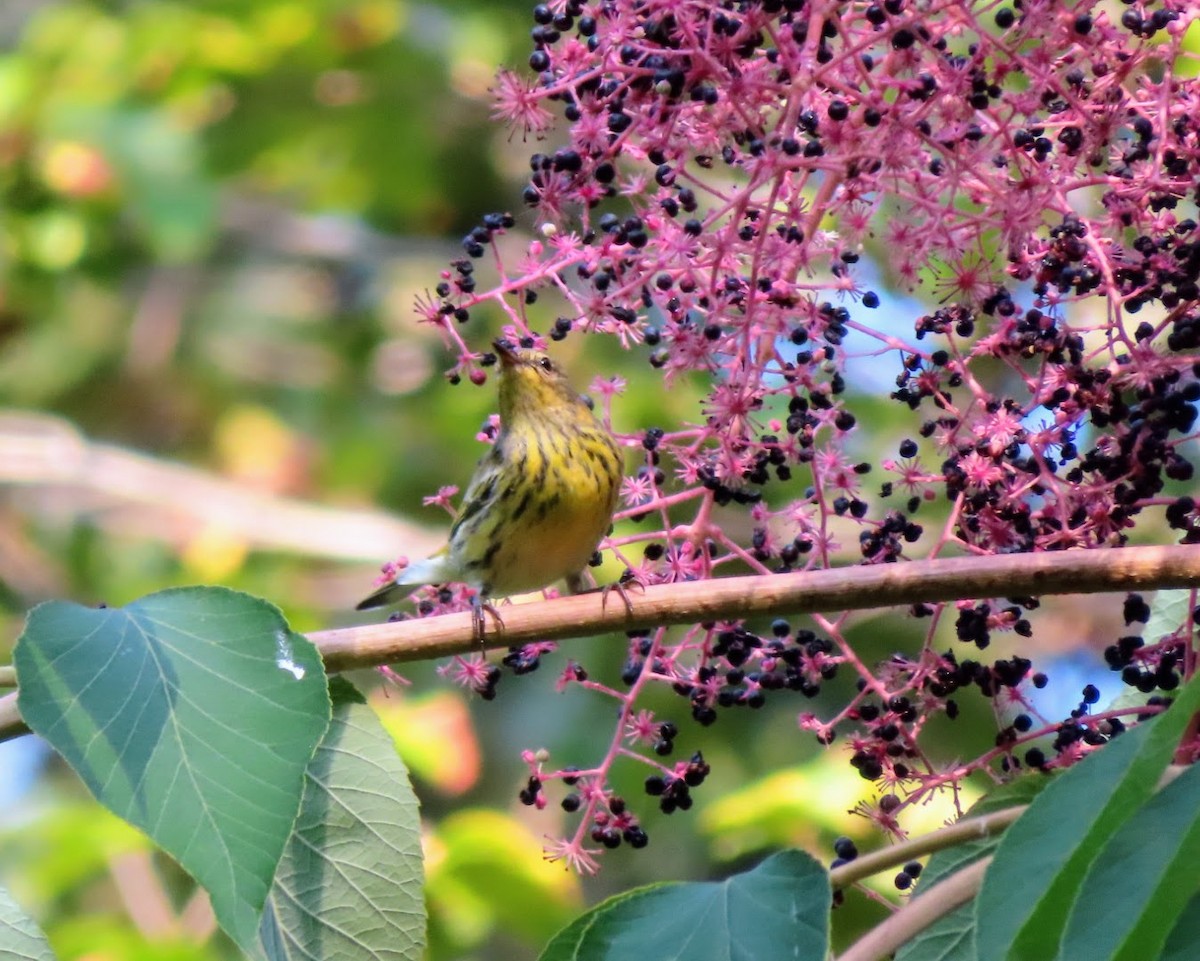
479 607
578 585
621 587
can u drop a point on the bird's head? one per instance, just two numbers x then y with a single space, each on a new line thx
533 385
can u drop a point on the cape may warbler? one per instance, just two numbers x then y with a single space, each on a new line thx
540 500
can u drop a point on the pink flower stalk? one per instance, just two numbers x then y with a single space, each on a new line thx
733 181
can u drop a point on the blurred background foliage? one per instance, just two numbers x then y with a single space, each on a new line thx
214 219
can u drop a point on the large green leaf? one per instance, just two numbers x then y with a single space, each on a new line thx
191 713
1182 941
1040 865
952 937
780 909
1153 862
20 939
349 886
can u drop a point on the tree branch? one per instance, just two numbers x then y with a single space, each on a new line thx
840 589
729 598
63 472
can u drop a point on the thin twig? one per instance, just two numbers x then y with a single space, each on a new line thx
197 918
141 891
11 723
882 940
968 829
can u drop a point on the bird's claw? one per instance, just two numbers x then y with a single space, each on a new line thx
620 588
478 626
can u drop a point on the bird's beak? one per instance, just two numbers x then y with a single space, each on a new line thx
505 352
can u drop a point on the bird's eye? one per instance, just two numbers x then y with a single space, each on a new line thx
545 364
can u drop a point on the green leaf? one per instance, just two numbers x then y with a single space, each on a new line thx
1182 941
1152 862
1170 611
780 909
950 938
350 883
192 714
20 939
1040 864
953 935
1016 793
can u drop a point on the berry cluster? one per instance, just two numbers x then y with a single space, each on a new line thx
733 178
674 790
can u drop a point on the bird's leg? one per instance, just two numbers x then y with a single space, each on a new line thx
619 586
478 628
577 585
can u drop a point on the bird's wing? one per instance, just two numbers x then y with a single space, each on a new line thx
486 485
450 563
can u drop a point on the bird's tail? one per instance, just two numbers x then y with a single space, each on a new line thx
432 570
386 596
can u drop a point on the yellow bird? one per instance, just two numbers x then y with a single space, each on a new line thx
540 499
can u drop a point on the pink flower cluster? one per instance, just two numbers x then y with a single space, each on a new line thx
736 185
